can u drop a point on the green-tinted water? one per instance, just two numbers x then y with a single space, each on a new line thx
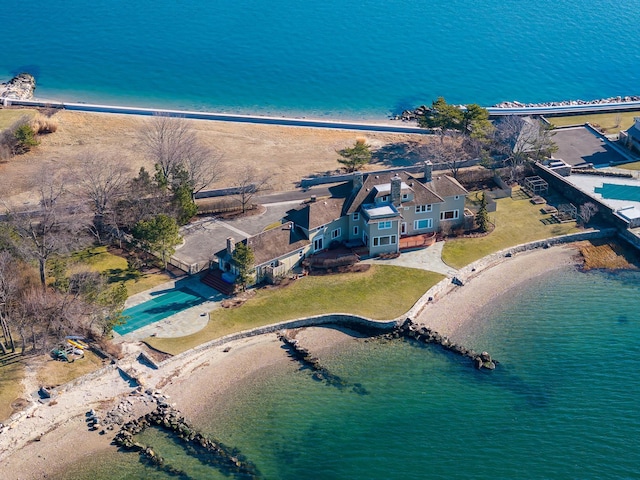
562 404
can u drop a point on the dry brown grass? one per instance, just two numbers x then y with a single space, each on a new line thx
288 153
43 124
608 255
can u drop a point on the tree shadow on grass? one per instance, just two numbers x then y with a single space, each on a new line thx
400 154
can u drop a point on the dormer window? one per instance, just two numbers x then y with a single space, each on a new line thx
384 198
356 216
405 196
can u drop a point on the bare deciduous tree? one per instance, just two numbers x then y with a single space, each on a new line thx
173 146
248 182
448 149
54 227
101 178
587 212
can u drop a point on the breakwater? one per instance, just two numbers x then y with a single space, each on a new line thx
409 329
209 452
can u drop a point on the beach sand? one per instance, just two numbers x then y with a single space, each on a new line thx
194 380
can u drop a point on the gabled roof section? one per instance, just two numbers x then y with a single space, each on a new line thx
422 195
312 215
445 186
274 243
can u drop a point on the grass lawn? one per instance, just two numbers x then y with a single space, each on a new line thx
56 372
605 120
9 116
366 293
630 166
117 270
11 376
517 221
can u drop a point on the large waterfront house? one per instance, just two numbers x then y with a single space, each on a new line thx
631 137
374 213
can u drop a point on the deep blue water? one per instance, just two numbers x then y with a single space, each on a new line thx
563 403
335 58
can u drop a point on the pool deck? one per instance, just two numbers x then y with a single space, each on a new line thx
183 323
588 183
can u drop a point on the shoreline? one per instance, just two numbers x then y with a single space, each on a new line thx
36 443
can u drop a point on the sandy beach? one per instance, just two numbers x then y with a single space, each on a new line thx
46 439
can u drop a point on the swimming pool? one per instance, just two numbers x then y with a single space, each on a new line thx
614 191
158 308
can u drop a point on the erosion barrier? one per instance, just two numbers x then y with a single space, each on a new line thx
425 335
320 373
209 452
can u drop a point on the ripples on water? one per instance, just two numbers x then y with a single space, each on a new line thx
562 404
336 58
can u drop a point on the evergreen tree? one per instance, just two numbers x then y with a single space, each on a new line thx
482 217
355 157
244 259
160 234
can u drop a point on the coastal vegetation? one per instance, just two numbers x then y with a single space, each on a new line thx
380 293
11 375
516 221
356 157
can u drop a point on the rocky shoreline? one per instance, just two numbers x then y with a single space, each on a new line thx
413 115
20 87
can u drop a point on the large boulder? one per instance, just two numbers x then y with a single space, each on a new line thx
20 87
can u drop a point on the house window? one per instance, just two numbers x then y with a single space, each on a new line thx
384 198
449 215
405 196
336 233
317 244
356 216
457 197
384 225
355 230
403 228
386 240
422 224
423 208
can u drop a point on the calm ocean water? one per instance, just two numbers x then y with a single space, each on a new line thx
563 403
335 58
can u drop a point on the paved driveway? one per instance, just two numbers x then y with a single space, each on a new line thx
207 236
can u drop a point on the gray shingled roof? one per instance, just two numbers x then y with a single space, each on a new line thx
314 214
274 243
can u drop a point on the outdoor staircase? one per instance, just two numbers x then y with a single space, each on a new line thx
213 279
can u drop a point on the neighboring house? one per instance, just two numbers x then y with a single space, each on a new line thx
276 251
631 138
373 212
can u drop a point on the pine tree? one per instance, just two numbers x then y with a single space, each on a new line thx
482 217
244 260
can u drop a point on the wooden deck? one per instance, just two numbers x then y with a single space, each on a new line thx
417 241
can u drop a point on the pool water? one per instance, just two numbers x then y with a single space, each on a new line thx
158 308
619 192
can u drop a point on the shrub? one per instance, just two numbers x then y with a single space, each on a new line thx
41 124
19 137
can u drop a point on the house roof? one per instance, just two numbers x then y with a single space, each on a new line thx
445 186
311 215
423 194
273 244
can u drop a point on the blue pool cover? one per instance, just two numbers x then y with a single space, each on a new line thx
619 192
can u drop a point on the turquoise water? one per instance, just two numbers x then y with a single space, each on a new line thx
162 306
562 404
335 58
619 192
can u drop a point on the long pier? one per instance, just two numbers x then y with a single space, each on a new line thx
576 109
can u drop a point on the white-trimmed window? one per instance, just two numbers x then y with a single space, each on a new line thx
422 224
336 233
355 230
423 208
356 216
386 240
449 215
384 225
405 196
384 198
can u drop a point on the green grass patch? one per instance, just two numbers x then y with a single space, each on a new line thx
117 270
516 221
383 292
608 121
11 375
630 166
9 116
56 372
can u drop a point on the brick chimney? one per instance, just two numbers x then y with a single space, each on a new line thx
231 245
428 171
396 186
